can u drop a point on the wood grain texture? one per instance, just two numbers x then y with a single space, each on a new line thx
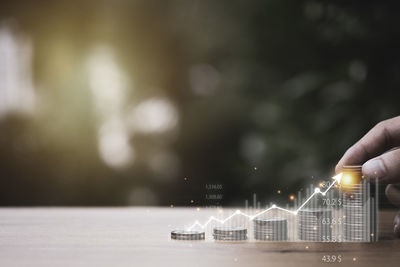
141 237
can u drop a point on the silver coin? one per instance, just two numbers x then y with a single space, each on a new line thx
310 224
270 229
263 221
230 230
230 233
354 207
187 235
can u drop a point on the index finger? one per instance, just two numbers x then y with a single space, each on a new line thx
379 139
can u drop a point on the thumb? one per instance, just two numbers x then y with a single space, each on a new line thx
385 168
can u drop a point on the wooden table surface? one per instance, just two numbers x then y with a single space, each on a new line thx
141 237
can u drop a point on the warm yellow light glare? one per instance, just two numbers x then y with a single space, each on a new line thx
347 180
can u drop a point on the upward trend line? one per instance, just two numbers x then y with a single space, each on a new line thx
336 178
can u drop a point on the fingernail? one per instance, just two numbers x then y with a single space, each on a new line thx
374 169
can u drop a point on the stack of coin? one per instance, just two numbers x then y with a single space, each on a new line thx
187 235
314 224
230 233
270 229
354 205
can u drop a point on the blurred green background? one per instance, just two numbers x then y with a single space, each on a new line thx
187 102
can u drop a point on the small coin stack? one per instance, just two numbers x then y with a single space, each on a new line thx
187 235
354 204
314 224
270 229
230 233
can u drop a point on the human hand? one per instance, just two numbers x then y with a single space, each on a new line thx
379 154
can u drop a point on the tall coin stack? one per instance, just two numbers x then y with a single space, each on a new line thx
314 224
355 205
270 229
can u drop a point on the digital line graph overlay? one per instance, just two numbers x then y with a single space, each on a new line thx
317 190
322 215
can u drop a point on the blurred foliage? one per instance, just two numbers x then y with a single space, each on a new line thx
297 82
